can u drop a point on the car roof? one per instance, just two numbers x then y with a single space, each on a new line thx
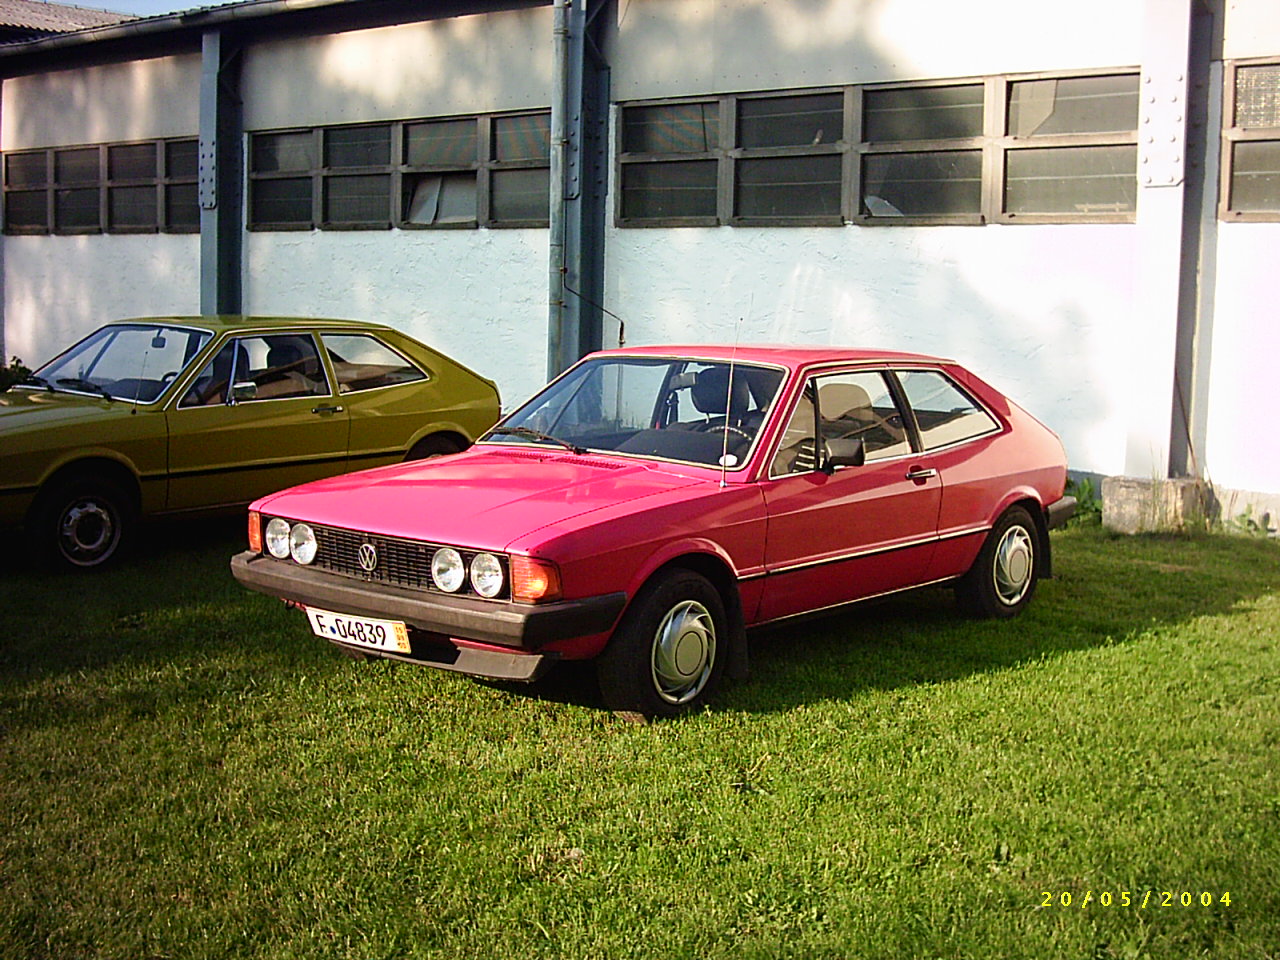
789 355
222 322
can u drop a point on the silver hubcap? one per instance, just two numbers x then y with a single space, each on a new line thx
86 531
684 651
1014 565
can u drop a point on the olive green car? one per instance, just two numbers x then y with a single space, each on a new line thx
159 416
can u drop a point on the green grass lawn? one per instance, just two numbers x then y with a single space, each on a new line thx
185 772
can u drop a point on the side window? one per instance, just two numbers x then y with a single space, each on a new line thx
841 409
944 413
272 367
363 362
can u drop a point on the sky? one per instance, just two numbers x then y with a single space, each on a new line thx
147 8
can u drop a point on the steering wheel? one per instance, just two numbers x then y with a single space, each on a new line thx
729 429
168 376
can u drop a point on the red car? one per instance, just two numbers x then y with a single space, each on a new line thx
648 506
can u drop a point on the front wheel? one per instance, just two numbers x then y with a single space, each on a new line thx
1003 578
669 652
83 523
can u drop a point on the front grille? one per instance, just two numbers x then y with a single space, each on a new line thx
401 563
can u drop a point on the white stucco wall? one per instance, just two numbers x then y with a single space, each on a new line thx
57 289
474 64
1243 439
1043 313
676 47
1252 29
134 100
478 295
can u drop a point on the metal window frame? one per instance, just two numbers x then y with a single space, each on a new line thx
167 180
326 174
1232 135
994 145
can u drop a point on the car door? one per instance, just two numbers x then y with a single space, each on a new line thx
843 534
261 416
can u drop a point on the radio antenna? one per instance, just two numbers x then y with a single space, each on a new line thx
728 399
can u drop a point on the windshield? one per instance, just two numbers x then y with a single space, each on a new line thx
125 361
691 411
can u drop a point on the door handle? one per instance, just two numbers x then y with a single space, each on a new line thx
337 409
921 473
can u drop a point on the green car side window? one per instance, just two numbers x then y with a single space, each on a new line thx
268 367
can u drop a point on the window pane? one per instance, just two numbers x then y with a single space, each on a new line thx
132 206
791 121
182 209
282 365
1083 180
1255 177
922 184
671 128
182 158
440 198
76 209
443 143
522 138
1073 105
76 166
363 363
685 188
357 146
520 194
25 169
134 161
275 152
944 413
922 113
26 209
789 187
1258 96
365 199
282 201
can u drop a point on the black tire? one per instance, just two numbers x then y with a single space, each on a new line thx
436 445
1003 578
83 523
669 651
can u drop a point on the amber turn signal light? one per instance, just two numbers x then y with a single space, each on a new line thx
534 581
255 532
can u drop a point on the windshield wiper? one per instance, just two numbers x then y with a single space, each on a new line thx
79 383
35 381
538 435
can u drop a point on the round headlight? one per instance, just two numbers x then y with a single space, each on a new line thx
486 575
447 570
277 539
302 543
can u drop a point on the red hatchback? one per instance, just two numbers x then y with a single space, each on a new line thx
648 506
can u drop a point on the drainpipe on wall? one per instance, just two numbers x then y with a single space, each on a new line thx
558 337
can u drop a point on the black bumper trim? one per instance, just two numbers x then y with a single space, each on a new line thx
493 664
506 624
1059 512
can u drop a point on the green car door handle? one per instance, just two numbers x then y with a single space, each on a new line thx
337 409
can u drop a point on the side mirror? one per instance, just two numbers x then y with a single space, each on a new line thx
248 390
844 453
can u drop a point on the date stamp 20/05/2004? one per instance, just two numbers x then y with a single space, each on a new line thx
1142 900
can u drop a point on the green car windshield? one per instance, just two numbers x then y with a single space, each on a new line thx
124 361
686 410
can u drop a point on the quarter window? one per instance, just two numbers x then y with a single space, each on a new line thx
944 413
362 363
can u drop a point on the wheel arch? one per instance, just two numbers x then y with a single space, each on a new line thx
720 574
450 432
90 467
1031 503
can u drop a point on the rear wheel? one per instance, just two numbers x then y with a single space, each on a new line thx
436 445
83 523
1003 578
669 652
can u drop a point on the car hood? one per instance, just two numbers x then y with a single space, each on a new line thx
39 409
485 498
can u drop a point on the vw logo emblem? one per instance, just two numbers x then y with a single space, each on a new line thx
368 557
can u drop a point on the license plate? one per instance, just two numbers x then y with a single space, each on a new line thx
361 631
